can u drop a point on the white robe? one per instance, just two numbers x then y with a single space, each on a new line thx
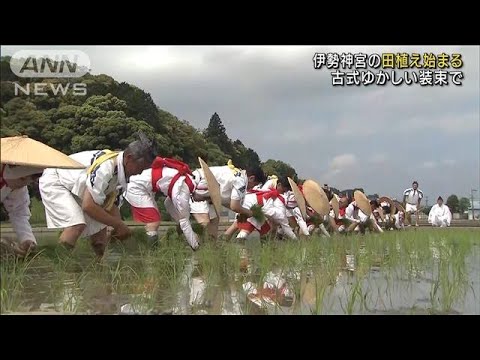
440 216
399 225
17 204
294 210
274 209
140 194
62 190
354 214
233 186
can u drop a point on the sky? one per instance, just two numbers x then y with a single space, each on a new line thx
377 137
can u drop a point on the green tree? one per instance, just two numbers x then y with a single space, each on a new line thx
215 156
217 134
244 157
115 131
453 203
139 104
463 205
279 168
426 210
23 117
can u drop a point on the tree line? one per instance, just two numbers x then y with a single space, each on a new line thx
109 116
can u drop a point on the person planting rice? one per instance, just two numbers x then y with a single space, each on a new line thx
270 184
234 184
14 196
34 157
320 208
266 207
359 212
84 202
173 179
294 214
394 213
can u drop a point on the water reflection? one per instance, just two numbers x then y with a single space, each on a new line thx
334 276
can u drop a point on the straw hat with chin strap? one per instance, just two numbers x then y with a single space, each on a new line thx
399 206
335 205
298 198
316 197
390 202
22 150
213 187
362 202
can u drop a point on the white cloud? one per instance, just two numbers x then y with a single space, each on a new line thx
340 165
274 101
379 158
429 164
448 162
343 161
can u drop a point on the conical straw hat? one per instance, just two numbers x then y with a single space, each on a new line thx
390 201
213 187
380 213
362 202
22 150
316 197
335 205
399 206
299 198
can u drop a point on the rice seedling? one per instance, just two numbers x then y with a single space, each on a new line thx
393 272
13 274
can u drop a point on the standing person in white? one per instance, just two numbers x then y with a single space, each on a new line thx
82 202
15 198
440 214
412 198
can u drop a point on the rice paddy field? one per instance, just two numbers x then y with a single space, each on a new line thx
418 271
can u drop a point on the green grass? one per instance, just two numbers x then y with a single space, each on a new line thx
38 212
395 272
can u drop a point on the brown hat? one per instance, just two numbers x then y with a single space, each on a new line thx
299 198
316 197
380 213
390 202
399 206
213 187
362 202
21 150
335 205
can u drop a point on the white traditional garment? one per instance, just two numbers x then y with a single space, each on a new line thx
440 216
274 209
62 190
399 222
140 194
17 204
233 186
17 201
353 213
293 210
270 184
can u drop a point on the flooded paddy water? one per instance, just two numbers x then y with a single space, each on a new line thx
419 271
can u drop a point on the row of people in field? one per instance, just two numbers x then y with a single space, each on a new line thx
86 202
